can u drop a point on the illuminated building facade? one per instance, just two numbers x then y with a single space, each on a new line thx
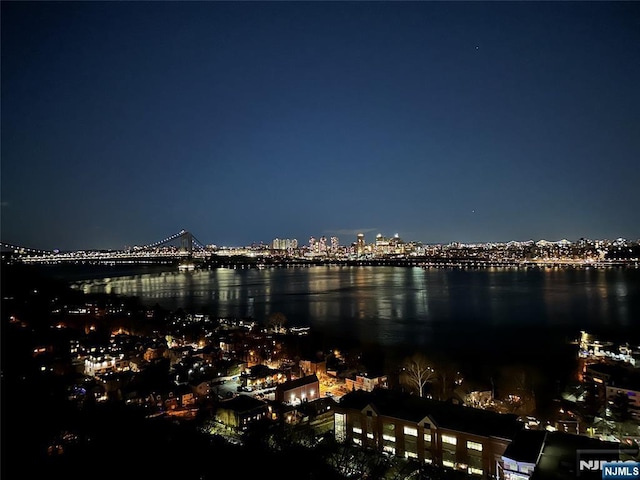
360 244
299 390
335 245
452 436
284 244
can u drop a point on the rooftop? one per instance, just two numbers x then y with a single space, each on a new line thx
526 446
298 382
444 414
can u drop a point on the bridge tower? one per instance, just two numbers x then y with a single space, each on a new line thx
186 251
186 242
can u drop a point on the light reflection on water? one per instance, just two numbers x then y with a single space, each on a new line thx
400 305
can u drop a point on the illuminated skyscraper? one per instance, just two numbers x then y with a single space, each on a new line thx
334 244
360 244
322 247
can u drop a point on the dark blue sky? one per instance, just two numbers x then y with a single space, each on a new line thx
125 122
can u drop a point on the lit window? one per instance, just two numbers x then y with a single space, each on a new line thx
410 455
475 471
357 430
340 420
526 468
370 435
357 441
389 438
447 463
449 439
474 446
411 431
427 437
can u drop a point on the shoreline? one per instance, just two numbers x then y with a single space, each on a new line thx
549 358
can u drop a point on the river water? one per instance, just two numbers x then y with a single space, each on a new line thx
509 310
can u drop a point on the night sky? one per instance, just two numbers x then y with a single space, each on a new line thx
123 123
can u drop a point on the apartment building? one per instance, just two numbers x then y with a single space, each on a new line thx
439 433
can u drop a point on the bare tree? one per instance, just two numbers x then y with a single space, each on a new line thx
417 372
276 321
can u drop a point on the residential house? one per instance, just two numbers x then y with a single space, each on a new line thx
261 376
366 382
154 352
200 388
208 354
313 366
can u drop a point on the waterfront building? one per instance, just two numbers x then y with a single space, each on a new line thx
360 244
385 246
284 244
322 245
615 380
628 387
335 245
382 245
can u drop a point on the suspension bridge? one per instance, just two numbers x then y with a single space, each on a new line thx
181 247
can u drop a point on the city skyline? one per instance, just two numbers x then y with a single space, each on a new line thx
313 241
469 122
